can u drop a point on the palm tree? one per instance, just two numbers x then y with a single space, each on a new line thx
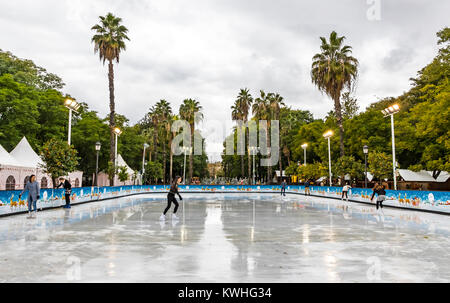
276 103
334 69
245 102
190 111
109 41
261 111
172 119
163 111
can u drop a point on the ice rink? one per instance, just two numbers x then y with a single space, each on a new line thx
232 237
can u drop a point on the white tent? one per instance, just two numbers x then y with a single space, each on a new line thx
411 176
121 162
24 154
6 159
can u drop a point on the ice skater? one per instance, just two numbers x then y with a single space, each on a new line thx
345 190
68 190
307 192
379 190
283 188
33 195
171 198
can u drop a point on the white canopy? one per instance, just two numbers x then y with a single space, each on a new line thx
411 176
6 159
121 162
25 155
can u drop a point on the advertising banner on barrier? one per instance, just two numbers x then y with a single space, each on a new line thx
49 198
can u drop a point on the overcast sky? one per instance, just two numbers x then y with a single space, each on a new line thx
208 50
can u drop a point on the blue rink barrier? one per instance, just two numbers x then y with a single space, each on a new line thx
50 198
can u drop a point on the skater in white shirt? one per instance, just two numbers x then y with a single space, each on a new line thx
345 190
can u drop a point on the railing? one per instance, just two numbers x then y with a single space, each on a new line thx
49 198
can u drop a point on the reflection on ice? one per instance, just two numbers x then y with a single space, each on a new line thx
229 238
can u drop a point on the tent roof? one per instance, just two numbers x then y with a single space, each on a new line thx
24 154
121 162
411 176
6 158
443 176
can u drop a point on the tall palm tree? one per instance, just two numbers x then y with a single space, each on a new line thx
164 112
261 111
276 103
109 42
245 102
172 119
188 110
334 69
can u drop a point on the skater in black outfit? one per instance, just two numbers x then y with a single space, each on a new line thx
171 198
68 190
283 188
379 190
307 192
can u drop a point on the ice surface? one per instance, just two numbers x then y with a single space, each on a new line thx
225 238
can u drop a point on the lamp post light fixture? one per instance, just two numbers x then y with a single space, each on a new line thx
98 146
365 151
328 135
304 146
117 133
72 105
391 111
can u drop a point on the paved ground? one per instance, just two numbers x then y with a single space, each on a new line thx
225 238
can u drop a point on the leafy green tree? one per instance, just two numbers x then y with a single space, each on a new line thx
332 70
347 165
59 158
380 165
122 173
153 171
109 42
26 72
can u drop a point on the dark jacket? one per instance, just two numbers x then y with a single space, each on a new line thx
67 186
379 192
174 190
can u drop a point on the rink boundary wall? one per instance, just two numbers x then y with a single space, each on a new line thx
426 201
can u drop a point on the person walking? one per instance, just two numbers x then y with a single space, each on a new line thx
307 192
171 198
283 188
380 191
68 190
345 190
33 195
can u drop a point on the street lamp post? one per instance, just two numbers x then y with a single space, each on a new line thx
117 133
72 105
365 151
143 162
98 146
254 151
185 149
328 135
304 146
390 111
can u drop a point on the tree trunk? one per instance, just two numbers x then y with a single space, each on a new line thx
269 168
164 161
191 160
112 114
338 109
249 158
171 161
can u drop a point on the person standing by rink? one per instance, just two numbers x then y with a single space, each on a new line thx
68 190
171 198
283 188
379 190
33 195
345 190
